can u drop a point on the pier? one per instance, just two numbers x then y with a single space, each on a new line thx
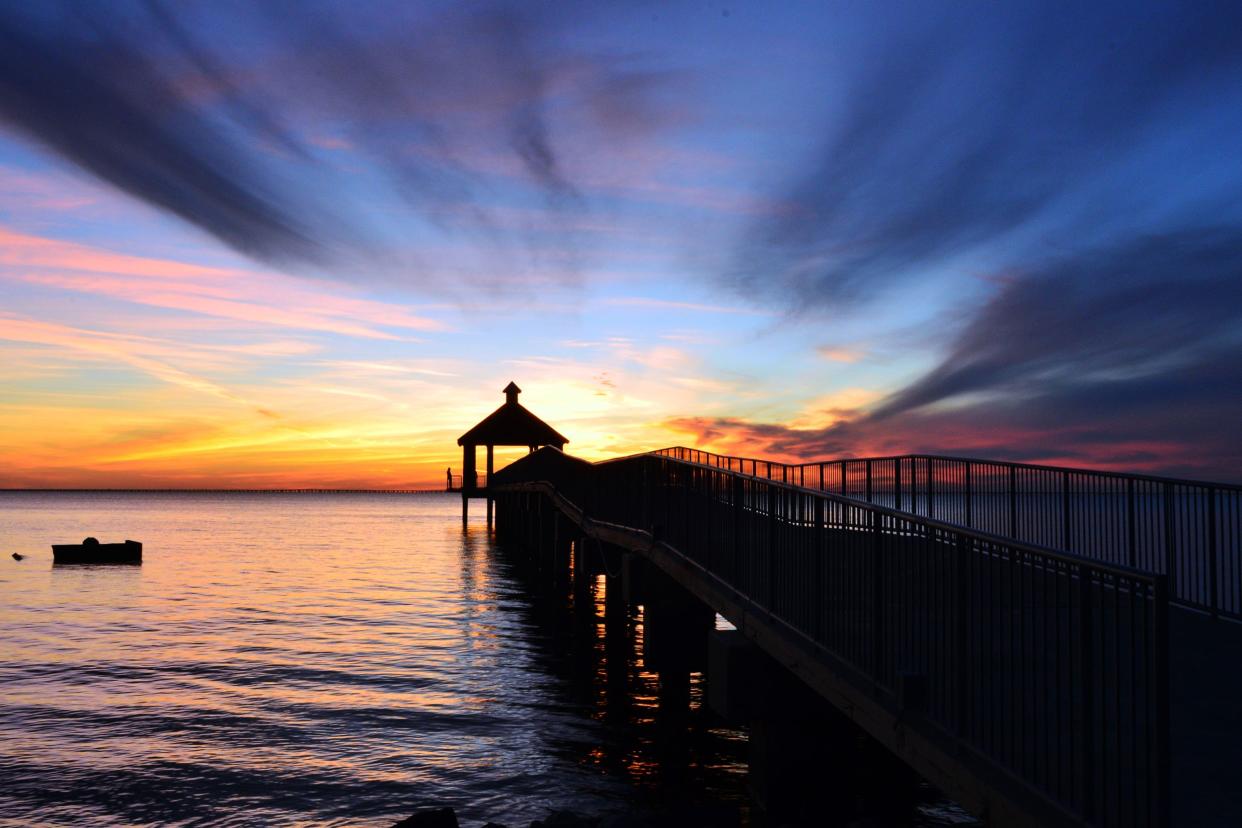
1048 646
509 425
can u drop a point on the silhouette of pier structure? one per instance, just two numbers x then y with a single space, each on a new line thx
1048 646
510 425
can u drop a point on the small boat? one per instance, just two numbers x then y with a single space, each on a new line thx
91 551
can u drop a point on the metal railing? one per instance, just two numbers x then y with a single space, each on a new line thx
1189 530
1049 665
456 481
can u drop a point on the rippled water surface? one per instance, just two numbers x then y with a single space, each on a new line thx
301 659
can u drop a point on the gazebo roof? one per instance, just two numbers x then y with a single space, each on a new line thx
512 425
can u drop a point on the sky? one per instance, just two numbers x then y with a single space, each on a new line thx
306 244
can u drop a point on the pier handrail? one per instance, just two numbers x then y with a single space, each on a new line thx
673 450
1189 530
1048 668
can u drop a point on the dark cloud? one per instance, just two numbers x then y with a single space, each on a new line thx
1078 151
93 94
1180 437
1139 315
977 127
219 113
1126 357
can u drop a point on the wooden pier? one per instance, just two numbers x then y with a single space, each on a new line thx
509 425
926 602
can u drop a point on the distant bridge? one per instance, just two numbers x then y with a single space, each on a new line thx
1004 629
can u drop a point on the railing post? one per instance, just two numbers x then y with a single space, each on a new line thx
648 516
817 587
868 481
897 484
877 598
1131 528
1160 671
1086 672
687 492
1214 601
1170 536
1065 512
962 561
1013 502
772 533
970 514
931 487
739 496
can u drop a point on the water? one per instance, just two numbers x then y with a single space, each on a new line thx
321 660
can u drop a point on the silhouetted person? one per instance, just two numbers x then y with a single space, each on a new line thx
448 475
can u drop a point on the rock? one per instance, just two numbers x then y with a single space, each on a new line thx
430 818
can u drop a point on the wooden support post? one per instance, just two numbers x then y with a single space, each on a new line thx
676 627
731 679
583 578
467 480
809 764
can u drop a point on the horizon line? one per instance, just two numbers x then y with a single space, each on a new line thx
174 490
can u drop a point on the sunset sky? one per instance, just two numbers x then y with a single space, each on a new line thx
308 243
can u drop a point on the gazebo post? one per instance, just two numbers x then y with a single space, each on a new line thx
488 485
467 478
509 425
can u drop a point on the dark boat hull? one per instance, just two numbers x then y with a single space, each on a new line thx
129 552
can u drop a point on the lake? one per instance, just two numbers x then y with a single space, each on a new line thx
320 659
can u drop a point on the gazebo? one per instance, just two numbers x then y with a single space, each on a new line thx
509 425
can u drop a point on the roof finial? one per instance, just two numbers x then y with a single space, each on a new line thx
511 393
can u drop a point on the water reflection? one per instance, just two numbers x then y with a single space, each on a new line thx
684 763
657 733
287 660
279 660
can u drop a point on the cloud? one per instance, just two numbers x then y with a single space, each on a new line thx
671 305
1126 357
1001 132
94 95
267 299
837 353
232 138
133 351
1146 315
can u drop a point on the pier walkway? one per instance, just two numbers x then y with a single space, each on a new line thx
1048 646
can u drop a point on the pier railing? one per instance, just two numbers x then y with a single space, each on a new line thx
1189 530
1048 667
462 482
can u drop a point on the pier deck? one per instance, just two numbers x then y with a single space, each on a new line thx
1030 683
